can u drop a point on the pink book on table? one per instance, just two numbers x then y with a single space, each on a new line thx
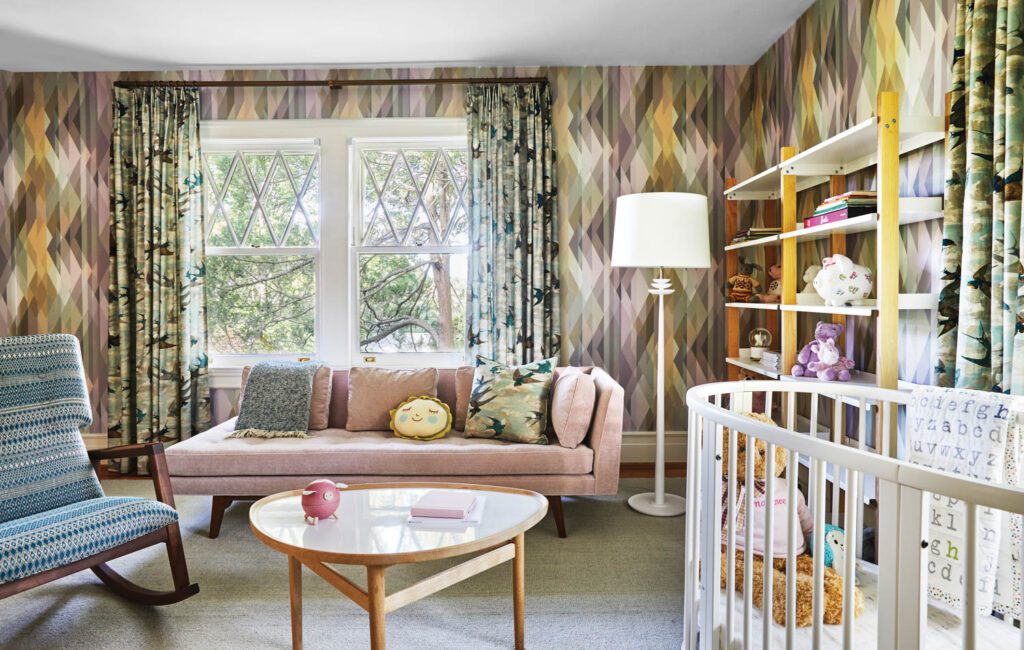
444 504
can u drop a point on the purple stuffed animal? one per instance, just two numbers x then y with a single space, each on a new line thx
809 365
830 365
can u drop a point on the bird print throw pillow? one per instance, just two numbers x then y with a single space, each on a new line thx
508 403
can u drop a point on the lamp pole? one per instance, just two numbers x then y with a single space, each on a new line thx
658 503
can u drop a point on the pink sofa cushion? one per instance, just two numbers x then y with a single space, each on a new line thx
572 407
371 453
373 392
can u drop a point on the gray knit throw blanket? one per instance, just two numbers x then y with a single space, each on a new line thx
276 400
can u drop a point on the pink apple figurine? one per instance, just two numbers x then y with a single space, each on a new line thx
320 500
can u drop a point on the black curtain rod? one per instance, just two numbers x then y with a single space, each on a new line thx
329 83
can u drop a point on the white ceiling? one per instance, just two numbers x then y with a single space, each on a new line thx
72 35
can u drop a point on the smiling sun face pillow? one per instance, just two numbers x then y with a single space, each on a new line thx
421 418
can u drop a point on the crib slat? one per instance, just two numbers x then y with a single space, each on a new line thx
768 403
769 529
748 545
711 514
730 581
836 470
970 575
912 529
792 475
853 479
812 504
818 602
862 441
693 497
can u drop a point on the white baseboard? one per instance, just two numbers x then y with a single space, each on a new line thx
638 446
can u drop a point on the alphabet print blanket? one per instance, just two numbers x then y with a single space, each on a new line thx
978 435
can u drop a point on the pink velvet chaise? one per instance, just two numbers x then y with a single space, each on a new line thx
233 469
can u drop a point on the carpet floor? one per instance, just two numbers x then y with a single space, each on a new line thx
615 582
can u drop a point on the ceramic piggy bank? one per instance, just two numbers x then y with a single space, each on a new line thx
841 282
320 500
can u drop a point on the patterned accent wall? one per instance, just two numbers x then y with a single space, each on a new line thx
618 130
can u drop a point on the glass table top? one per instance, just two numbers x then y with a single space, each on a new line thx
374 521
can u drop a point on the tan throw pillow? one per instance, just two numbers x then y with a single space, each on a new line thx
572 406
319 400
463 389
373 392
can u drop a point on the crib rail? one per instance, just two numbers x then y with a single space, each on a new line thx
853 449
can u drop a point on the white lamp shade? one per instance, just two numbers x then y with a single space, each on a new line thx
661 229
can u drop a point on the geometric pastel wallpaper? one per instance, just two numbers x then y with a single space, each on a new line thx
617 130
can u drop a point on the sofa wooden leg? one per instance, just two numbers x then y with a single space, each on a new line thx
220 504
555 505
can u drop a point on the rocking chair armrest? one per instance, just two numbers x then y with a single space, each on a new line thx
157 465
127 451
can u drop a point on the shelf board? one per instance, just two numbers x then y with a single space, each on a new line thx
869 222
849 151
751 365
857 378
753 305
762 241
907 301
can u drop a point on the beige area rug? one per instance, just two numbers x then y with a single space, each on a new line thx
615 582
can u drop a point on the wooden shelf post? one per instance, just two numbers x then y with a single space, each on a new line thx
887 273
732 316
789 270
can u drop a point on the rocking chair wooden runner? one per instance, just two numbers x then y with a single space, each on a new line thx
54 518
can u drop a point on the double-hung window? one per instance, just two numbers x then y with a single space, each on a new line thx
263 246
411 248
341 239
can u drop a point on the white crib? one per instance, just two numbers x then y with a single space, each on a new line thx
852 452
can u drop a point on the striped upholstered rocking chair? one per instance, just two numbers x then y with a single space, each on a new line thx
54 517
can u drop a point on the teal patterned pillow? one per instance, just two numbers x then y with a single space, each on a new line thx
510 403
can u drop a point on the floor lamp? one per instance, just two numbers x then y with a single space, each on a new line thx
661 230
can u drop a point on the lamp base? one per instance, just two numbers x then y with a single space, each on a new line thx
673 506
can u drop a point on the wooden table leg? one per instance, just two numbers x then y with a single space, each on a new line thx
295 589
375 590
519 590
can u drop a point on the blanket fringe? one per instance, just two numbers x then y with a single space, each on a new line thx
263 433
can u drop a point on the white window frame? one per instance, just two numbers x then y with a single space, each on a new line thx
357 178
337 290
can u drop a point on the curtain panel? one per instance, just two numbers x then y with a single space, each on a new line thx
512 311
981 308
157 314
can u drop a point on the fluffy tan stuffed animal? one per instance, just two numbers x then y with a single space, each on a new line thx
833 582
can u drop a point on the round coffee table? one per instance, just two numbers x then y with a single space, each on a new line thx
372 530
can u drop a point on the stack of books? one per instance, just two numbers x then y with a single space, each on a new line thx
843 206
771 360
447 509
748 234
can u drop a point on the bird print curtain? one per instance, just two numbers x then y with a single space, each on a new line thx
981 311
512 311
157 315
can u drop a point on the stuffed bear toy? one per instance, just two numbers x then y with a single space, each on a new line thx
833 581
808 355
830 366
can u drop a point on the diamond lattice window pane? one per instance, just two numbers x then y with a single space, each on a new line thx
259 166
420 163
259 232
217 166
278 201
460 171
218 234
239 202
458 233
311 200
400 199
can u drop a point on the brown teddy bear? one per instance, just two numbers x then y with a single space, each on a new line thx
833 582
